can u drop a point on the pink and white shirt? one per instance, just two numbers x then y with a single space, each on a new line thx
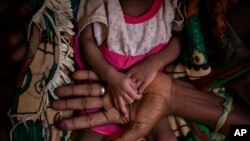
125 40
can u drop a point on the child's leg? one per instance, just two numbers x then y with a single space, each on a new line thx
162 132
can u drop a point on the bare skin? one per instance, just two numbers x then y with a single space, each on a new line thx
138 115
216 109
162 131
123 88
191 104
127 87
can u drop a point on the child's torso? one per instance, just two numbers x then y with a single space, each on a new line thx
135 30
129 31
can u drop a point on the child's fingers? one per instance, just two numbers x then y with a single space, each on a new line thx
115 100
128 99
138 84
133 79
139 96
129 74
131 92
122 106
135 83
143 86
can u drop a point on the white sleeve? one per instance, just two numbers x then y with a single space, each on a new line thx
178 22
93 12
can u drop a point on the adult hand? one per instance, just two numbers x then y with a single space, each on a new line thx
143 114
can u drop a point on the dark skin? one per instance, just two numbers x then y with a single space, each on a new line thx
128 87
195 96
192 103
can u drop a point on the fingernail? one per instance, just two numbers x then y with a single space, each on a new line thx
61 125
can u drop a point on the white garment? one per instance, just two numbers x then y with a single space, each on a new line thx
127 39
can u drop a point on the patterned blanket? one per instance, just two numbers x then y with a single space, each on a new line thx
48 62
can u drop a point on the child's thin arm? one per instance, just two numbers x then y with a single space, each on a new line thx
145 71
120 86
169 53
92 54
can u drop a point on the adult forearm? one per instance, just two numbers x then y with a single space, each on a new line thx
194 104
204 107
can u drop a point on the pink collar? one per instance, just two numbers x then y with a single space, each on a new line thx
149 14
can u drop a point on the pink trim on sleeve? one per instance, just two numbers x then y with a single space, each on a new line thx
149 14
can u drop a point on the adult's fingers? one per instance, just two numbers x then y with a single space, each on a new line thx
79 103
83 103
92 120
88 89
84 75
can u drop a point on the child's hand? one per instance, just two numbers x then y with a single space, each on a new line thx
123 90
143 74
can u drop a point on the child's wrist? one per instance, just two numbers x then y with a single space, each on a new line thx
107 74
